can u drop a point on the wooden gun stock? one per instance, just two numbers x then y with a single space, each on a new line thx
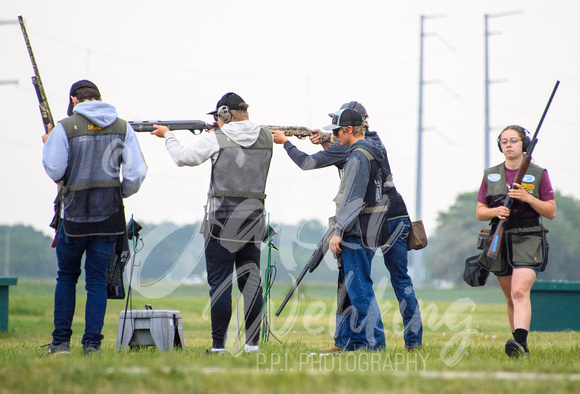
497 237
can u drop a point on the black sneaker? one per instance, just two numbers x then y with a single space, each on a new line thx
61 348
514 349
216 351
90 350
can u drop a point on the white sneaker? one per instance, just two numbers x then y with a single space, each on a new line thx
251 348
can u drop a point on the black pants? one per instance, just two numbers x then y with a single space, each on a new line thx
221 258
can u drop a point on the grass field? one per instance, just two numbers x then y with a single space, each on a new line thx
464 335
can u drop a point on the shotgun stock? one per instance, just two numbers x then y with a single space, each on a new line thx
301 132
497 237
37 82
310 266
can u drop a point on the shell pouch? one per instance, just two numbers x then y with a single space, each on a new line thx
499 266
527 247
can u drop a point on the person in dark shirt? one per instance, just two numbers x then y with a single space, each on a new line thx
395 257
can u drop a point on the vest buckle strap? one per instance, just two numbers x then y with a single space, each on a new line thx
523 223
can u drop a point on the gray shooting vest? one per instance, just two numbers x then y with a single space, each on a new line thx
93 204
237 189
497 189
524 241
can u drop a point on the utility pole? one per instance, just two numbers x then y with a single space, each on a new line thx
487 80
417 257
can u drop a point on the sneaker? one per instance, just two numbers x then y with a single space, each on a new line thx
91 350
213 350
514 349
332 349
413 347
61 348
252 348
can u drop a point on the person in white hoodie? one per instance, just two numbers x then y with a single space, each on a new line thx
234 224
87 154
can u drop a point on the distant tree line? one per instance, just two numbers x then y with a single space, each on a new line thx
28 252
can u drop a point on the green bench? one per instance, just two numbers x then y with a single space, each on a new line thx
4 283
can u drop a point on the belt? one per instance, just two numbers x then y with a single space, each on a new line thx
523 223
517 223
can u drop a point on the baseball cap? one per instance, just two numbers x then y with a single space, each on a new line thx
84 83
344 117
231 100
358 107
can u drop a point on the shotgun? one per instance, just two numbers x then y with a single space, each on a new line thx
310 266
37 82
47 119
497 237
195 126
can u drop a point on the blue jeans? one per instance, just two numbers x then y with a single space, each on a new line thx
69 252
360 326
396 263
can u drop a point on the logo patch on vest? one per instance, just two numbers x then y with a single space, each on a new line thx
529 187
528 178
494 177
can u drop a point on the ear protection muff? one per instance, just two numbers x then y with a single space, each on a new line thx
224 113
525 142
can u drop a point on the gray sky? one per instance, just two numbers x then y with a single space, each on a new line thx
294 62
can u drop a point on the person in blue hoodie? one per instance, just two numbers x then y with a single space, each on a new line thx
358 195
395 256
96 159
240 152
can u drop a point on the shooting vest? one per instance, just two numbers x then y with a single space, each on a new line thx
93 204
382 201
524 242
497 189
238 177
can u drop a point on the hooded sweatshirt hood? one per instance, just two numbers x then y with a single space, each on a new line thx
244 133
377 151
98 112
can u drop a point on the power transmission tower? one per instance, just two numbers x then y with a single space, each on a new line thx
487 81
417 256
